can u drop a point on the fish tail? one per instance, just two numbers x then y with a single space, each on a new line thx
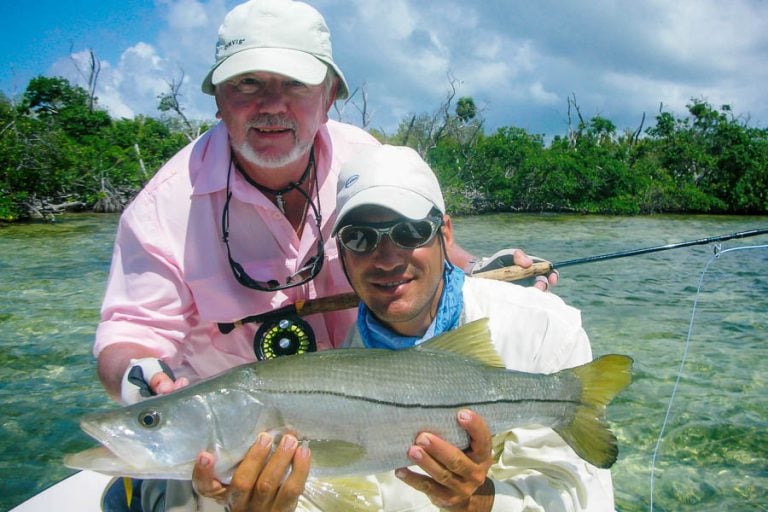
588 433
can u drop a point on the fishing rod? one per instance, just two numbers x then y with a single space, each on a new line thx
283 332
515 273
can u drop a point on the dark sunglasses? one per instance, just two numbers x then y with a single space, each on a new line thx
306 273
406 234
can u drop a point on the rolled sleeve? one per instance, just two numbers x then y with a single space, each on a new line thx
146 301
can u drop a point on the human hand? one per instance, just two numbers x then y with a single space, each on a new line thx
263 481
510 257
544 282
456 480
146 377
162 383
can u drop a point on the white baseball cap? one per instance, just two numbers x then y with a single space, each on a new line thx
277 36
393 177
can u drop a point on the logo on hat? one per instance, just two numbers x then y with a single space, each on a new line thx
233 42
351 180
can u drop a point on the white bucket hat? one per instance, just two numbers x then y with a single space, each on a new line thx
393 177
277 36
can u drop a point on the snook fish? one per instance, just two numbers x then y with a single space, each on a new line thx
358 409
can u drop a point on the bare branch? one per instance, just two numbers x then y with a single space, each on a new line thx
444 111
639 130
169 101
364 115
339 106
91 77
573 135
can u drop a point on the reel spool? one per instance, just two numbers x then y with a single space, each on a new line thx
283 337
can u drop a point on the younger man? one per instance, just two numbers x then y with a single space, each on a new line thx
393 237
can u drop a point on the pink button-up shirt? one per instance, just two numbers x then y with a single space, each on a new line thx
170 282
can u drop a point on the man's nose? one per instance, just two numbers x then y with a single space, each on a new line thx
388 256
272 99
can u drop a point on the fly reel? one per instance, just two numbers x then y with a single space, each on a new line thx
283 337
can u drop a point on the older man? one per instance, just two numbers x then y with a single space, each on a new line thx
238 222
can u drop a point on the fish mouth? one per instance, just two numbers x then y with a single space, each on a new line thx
115 454
99 459
102 460
111 449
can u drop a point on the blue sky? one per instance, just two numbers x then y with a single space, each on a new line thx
519 60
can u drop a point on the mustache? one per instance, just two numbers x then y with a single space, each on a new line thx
271 121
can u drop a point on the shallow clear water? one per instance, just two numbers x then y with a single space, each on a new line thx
713 455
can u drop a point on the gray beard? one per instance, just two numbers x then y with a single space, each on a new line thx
245 151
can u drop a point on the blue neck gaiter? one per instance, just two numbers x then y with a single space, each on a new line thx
376 335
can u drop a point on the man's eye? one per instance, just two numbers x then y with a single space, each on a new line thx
247 85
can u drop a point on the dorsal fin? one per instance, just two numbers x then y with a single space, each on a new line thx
472 340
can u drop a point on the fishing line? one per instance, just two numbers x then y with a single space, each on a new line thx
717 253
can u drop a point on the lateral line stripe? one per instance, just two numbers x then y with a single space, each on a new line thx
423 406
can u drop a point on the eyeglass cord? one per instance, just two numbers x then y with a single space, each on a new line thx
291 185
314 263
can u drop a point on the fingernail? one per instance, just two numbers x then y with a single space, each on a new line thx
423 440
264 440
416 454
400 473
289 442
204 461
465 416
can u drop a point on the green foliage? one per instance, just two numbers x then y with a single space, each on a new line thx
56 145
708 161
466 109
55 148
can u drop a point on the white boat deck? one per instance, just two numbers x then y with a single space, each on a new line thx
80 492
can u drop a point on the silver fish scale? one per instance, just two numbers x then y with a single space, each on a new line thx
360 396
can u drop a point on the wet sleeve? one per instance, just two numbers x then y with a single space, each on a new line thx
536 470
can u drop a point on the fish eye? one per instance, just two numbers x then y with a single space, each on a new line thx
149 419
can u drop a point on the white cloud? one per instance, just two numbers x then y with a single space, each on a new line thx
521 60
540 95
143 71
187 15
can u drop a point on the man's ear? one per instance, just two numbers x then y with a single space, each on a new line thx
447 230
332 95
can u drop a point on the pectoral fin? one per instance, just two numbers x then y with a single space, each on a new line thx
333 453
350 494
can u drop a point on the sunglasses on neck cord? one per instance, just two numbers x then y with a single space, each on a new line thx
306 273
405 234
